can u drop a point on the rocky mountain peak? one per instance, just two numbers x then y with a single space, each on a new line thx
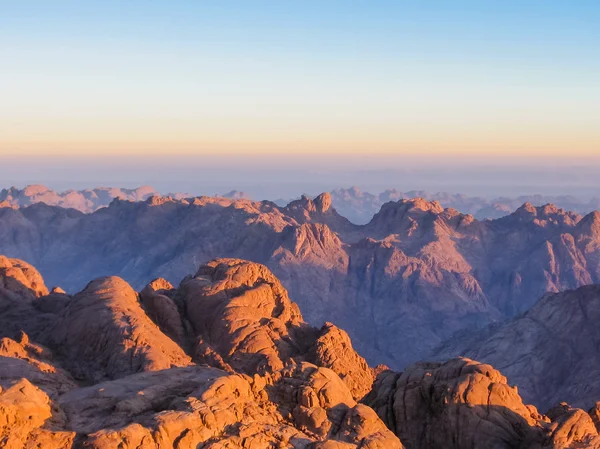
590 224
35 189
323 202
545 215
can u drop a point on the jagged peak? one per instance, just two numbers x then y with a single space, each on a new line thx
413 204
158 200
323 202
590 224
526 209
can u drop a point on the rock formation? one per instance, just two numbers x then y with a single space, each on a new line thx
399 285
110 369
225 360
466 404
550 352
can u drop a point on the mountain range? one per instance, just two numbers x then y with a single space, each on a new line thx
357 206
400 285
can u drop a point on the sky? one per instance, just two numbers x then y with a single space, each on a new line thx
122 83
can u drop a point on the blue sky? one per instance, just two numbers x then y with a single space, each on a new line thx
303 77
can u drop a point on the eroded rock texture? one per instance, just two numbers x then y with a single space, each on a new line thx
220 362
467 404
225 361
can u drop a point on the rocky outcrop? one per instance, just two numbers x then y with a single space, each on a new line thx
463 403
242 311
243 319
243 370
104 333
334 349
550 352
126 384
163 310
21 286
34 362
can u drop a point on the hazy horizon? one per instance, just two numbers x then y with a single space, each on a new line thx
287 177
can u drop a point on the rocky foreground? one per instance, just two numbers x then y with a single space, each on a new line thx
226 361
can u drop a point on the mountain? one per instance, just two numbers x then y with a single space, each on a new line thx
550 351
86 201
100 370
400 285
359 207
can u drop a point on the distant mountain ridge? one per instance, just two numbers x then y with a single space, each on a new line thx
87 200
359 207
354 204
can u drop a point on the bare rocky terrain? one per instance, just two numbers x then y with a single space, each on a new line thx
551 351
400 285
226 360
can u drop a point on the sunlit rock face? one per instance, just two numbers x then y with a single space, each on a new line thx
400 285
463 403
240 367
226 360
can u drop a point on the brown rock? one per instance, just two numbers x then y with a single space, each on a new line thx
104 333
242 311
23 408
21 278
163 311
33 362
458 404
333 349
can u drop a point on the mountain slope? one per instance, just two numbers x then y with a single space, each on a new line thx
401 284
550 352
